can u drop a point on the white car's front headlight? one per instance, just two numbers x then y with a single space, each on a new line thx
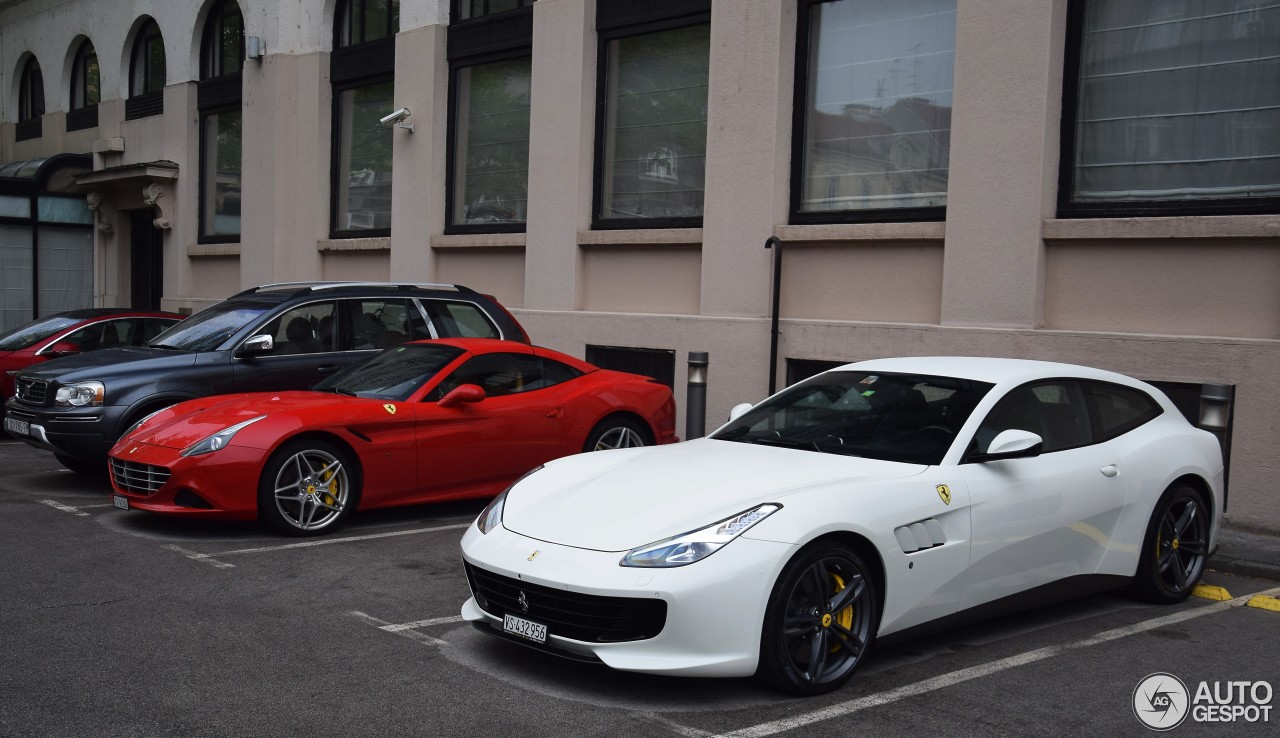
491 515
699 544
212 443
81 394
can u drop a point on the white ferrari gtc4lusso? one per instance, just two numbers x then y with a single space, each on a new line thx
869 500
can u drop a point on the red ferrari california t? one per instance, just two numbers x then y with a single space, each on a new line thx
421 422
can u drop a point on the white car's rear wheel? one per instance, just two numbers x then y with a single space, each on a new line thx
820 620
1176 546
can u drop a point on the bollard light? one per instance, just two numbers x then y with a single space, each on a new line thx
1215 406
695 412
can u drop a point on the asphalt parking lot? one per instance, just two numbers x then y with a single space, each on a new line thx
123 624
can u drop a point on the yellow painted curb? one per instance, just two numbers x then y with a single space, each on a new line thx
1265 602
1210 592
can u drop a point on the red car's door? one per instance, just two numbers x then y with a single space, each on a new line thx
478 448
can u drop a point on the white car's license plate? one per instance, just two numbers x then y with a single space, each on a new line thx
536 632
122 502
17 427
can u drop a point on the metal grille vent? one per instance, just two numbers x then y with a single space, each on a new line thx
919 536
34 391
140 479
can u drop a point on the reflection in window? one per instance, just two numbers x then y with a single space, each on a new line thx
362 21
147 71
221 186
655 129
364 159
1177 101
491 148
31 91
468 9
877 111
85 77
223 41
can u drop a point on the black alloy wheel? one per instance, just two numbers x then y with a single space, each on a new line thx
1176 546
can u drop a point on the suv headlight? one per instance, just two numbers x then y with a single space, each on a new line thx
212 443
83 394
699 544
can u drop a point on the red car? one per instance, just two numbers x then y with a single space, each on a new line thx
74 332
421 422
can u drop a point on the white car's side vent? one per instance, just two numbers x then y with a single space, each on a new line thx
919 536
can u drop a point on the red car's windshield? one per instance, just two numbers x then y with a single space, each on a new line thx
33 333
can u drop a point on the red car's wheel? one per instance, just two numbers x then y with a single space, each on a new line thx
617 432
307 488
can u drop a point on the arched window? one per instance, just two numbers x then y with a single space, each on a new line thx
219 96
31 91
362 69
146 73
85 77
222 51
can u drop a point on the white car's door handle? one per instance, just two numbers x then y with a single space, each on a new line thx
1110 470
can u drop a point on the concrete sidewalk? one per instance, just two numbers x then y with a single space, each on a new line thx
1247 554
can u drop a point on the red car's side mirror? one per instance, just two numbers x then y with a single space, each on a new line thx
62 348
463 393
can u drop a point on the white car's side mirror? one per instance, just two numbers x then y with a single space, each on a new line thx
738 410
1013 444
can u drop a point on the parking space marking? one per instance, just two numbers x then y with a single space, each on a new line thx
64 508
402 630
675 727
974 672
421 624
345 539
202 558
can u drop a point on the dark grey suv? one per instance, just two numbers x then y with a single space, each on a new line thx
275 337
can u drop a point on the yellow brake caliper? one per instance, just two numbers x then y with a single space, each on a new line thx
844 617
329 497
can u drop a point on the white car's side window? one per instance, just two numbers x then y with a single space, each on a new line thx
1055 411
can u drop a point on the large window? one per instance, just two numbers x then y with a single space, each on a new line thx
146 73
219 100
652 127
491 67
86 86
362 70
1172 106
873 115
30 101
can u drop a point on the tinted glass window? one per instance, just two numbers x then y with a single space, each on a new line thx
377 324
497 375
897 417
1121 409
393 374
306 329
553 372
1054 410
460 320
211 327
27 335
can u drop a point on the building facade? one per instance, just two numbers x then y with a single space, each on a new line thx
1087 181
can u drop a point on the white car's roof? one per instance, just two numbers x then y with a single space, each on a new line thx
988 369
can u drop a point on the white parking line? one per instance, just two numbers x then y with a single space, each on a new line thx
403 630
974 672
346 539
64 508
202 558
421 624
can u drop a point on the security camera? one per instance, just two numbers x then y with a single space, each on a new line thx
400 115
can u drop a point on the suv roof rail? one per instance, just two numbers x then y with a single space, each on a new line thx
314 286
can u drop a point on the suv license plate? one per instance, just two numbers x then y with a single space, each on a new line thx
122 502
17 427
536 632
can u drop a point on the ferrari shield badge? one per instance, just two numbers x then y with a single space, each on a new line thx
389 408
945 493
533 555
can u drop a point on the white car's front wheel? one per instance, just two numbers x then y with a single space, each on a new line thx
820 620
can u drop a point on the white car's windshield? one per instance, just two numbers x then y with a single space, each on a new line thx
880 415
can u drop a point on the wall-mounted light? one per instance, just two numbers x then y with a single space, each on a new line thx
254 48
397 119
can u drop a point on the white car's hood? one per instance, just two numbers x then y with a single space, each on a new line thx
618 500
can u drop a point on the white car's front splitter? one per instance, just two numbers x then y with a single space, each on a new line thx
715 607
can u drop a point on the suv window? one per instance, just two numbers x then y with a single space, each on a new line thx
306 329
209 328
377 324
1121 409
460 320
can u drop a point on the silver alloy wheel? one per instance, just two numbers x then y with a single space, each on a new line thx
618 437
311 489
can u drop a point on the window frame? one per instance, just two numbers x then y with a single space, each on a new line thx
799 126
217 94
80 77
336 156
474 42
344 19
1067 208
211 57
31 103
455 10
141 45
604 37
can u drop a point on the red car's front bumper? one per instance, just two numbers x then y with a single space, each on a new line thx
222 485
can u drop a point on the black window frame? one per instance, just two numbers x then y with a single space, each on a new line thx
85 115
352 66
346 14
217 94
145 102
473 42
1101 434
618 19
1067 208
799 124
31 103
456 6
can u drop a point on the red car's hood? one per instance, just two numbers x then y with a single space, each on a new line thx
192 421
